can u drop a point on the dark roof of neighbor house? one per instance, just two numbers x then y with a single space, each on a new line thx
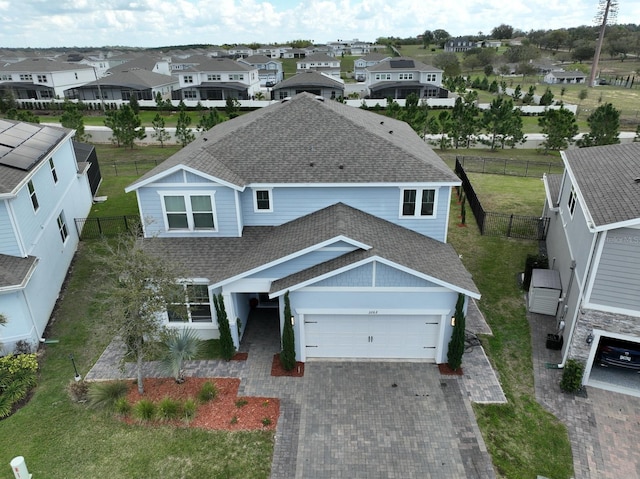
14 270
202 63
145 62
402 64
37 65
571 74
253 59
134 79
306 140
608 178
220 259
26 145
310 78
319 57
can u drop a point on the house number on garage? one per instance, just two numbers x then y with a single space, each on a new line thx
373 311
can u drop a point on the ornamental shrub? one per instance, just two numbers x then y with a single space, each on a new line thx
227 348
456 344
18 374
571 381
288 353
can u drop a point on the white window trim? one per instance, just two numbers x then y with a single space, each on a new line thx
187 304
62 225
33 196
255 200
416 211
190 225
571 205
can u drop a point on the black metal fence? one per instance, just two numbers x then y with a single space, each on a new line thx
510 167
501 224
129 168
93 228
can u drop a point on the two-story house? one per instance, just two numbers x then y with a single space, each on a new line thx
321 63
270 71
319 84
399 77
205 78
42 189
124 84
594 244
360 65
349 216
43 79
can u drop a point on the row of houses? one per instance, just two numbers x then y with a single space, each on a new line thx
205 77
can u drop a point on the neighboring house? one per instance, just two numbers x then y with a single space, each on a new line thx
270 71
319 84
294 53
43 188
350 218
321 63
594 244
142 84
144 62
271 51
205 78
554 77
240 51
461 44
43 79
399 77
361 64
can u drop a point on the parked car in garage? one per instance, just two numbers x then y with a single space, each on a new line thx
620 353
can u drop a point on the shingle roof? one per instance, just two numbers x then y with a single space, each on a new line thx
220 259
403 64
201 63
136 79
605 176
14 270
305 140
553 183
36 65
310 78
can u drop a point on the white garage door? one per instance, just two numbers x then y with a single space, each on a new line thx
365 336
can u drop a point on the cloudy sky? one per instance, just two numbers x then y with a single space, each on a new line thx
146 23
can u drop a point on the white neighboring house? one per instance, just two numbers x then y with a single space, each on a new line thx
42 189
321 63
398 77
574 77
43 79
361 64
270 71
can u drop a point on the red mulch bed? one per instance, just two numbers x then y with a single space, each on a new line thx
278 370
217 414
446 370
240 357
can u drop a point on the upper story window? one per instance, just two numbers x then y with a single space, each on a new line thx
236 77
53 170
42 78
405 76
418 202
188 78
262 201
190 303
383 76
215 77
5 77
572 201
26 77
431 77
62 227
34 197
193 212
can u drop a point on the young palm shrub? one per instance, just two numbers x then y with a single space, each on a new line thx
105 394
144 410
180 347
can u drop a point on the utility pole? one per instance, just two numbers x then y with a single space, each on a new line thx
607 8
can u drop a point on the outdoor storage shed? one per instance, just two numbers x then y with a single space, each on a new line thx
544 291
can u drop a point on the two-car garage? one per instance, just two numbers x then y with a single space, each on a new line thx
372 335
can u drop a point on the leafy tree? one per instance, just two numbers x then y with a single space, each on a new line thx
471 62
547 98
415 113
502 32
447 61
183 132
503 123
163 105
227 348
72 118
440 37
441 125
517 93
288 353
427 38
180 346
583 51
520 53
232 107
560 127
488 70
136 286
159 131
527 99
604 126
134 104
464 119
7 101
125 125
456 343
209 120
22 115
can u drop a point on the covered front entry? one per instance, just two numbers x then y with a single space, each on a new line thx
371 336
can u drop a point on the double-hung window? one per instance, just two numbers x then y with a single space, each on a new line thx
191 212
62 227
190 303
418 202
572 201
33 196
53 170
262 201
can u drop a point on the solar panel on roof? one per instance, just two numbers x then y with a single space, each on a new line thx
23 145
401 63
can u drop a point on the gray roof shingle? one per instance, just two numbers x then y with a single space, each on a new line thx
605 176
220 259
305 140
14 270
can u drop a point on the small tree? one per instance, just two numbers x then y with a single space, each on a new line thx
72 118
133 103
232 107
159 131
125 125
209 120
288 353
180 347
456 344
183 132
604 126
227 348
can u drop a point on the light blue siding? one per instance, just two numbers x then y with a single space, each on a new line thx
383 202
298 264
374 300
357 277
8 239
617 280
387 276
150 202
